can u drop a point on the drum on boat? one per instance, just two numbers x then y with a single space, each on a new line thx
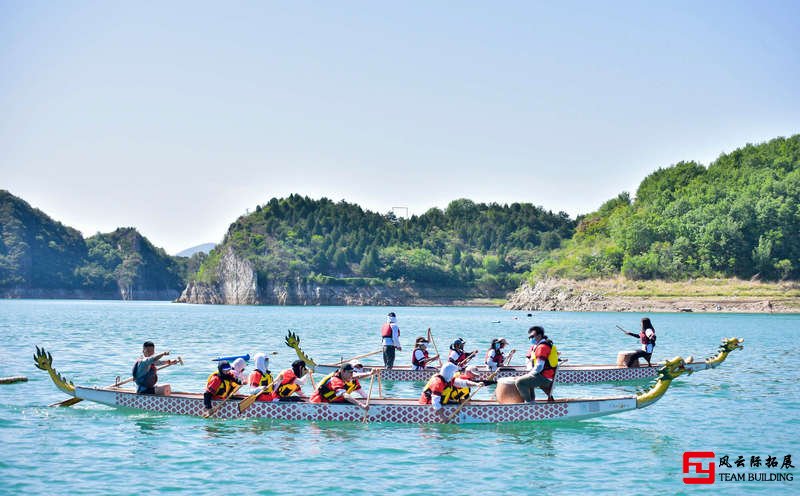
507 391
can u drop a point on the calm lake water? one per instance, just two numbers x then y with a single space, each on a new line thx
747 407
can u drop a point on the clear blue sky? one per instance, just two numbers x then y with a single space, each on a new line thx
176 117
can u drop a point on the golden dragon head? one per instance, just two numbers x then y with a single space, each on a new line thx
666 374
728 345
44 361
293 341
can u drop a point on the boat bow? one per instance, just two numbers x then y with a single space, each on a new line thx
44 361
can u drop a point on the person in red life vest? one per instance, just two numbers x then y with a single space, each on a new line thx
261 377
289 382
543 363
647 336
457 354
390 337
220 384
419 357
238 367
440 388
145 373
494 356
336 387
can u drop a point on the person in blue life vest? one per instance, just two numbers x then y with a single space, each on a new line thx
144 370
647 337
390 337
543 364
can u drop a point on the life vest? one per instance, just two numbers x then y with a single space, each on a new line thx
226 385
552 359
287 387
457 395
447 392
147 380
498 357
386 331
460 358
645 340
326 392
261 379
418 363
353 385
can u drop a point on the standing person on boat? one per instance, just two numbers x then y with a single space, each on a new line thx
289 382
440 388
419 357
390 336
543 363
261 377
457 354
145 373
647 336
337 386
220 384
494 356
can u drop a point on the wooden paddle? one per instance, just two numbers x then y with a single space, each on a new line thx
358 357
73 400
369 397
245 403
462 405
214 410
430 338
508 358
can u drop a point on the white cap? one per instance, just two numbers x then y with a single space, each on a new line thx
472 370
448 371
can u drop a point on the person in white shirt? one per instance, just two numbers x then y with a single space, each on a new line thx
390 336
647 336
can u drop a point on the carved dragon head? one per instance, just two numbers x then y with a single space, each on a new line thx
44 361
293 341
666 374
728 345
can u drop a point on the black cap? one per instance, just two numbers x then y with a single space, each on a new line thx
391 314
535 330
346 367
223 366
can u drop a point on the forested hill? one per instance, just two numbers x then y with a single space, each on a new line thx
467 245
40 257
740 217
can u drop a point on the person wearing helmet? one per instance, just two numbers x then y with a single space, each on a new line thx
494 355
420 358
439 389
220 384
390 337
238 367
457 354
289 382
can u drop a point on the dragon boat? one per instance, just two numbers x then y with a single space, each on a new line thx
394 410
567 374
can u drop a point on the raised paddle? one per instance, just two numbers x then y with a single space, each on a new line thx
462 405
430 338
508 358
358 357
245 403
118 383
214 410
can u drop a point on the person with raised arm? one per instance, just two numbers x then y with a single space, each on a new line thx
145 373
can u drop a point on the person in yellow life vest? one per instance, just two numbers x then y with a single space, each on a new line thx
333 388
220 384
459 395
543 363
289 382
440 387
261 377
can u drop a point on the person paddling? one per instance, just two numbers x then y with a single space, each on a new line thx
457 354
289 382
420 358
220 385
647 336
440 388
337 387
262 377
494 355
145 373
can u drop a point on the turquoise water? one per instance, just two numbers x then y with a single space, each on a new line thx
746 407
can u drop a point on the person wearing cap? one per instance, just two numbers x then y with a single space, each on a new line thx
494 356
419 357
289 382
238 367
145 373
459 395
333 388
390 336
220 384
262 378
457 354
543 364
439 389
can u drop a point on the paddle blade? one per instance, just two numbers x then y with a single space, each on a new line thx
68 402
245 403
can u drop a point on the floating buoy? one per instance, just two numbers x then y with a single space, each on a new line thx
12 380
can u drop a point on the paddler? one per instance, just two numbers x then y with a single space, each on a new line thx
337 387
220 384
262 377
145 373
647 336
457 354
419 357
543 364
440 388
290 380
459 395
494 355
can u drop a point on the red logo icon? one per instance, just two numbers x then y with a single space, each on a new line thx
693 461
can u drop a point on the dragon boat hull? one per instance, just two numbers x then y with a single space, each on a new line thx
404 411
